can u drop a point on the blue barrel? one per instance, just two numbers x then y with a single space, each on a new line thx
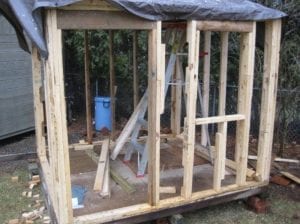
102 113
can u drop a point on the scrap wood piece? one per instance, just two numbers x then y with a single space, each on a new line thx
14 179
78 147
35 178
167 190
125 185
13 221
277 159
102 165
34 182
106 182
291 176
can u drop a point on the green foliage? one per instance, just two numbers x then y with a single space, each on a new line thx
99 66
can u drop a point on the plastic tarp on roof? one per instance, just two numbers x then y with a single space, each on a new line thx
28 16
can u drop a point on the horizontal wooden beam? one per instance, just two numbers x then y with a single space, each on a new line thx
219 119
111 20
142 209
228 26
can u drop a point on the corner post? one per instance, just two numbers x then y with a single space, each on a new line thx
56 122
269 94
154 109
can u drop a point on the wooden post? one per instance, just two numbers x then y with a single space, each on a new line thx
135 70
193 37
87 81
222 127
206 83
39 118
56 122
176 99
246 70
112 82
38 104
154 108
218 162
269 93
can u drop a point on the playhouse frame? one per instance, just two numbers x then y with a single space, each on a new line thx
53 151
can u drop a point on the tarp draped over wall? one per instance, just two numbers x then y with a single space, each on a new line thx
27 13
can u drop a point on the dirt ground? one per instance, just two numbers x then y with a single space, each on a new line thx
284 202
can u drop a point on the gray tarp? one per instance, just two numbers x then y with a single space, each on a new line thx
27 13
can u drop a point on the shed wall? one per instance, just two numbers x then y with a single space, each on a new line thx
16 98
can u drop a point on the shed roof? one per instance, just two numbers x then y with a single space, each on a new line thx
27 13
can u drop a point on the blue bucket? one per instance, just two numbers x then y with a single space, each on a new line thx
102 113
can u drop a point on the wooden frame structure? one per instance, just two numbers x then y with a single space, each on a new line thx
53 148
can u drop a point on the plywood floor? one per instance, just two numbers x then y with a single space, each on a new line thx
83 171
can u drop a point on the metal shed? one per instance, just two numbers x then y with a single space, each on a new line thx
16 98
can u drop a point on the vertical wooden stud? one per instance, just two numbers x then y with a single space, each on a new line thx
206 83
87 82
154 108
135 70
176 99
193 38
222 127
246 71
112 82
218 162
162 68
56 122
38 104
269 93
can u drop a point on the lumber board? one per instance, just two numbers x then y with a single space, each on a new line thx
135 70
176 202
277 159
225 26
112 83
39 117
87 85
105 191
176 99
125 185
206 83
167 190
222 127
217 178
113 20
193 39
220 119
56 122
18 156
246 73
154 109
161 71
223 73
268 98
102 166
291 176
